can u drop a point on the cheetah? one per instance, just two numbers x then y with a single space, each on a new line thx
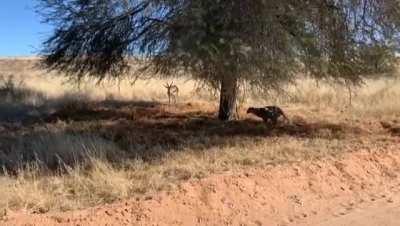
270 114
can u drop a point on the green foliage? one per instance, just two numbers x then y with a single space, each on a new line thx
264 42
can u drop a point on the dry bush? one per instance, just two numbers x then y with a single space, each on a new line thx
17 102
56 151
13 90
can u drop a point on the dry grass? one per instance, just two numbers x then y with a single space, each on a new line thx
62 148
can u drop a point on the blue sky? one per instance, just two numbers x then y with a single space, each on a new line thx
21 32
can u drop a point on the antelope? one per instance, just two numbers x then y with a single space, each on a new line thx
172 92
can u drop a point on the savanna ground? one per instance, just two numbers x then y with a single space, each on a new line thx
64 147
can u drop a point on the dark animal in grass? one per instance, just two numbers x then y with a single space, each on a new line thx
270 114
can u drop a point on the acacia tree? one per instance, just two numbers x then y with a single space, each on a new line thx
264 43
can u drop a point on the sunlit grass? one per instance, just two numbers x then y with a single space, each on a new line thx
73 164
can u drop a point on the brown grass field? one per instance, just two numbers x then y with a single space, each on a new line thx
67 148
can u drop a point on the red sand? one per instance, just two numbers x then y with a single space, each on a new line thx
361 188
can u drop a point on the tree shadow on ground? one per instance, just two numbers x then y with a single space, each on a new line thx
141 130
151 128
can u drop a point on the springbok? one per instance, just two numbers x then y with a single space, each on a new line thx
172 92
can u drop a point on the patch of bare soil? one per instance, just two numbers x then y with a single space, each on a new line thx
325 192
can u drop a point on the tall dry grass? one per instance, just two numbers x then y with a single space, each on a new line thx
375 97
80 161
100 181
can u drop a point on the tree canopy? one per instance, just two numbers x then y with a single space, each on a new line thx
263 42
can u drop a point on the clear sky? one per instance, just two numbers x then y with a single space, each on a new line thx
21 32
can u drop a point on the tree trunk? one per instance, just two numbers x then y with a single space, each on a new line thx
228 96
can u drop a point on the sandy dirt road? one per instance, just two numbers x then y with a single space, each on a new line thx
385 212
374 216
359 189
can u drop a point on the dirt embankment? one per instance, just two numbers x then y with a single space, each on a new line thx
326 192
